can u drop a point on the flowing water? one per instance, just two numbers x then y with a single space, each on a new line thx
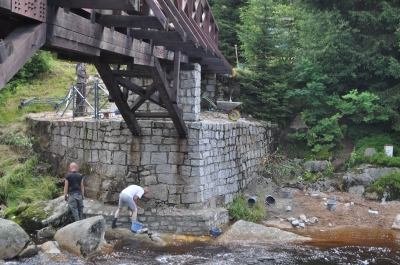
341 246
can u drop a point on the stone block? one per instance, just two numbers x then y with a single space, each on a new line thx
158 158
174 199
158 192
119 158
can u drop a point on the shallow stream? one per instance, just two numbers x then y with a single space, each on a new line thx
331 246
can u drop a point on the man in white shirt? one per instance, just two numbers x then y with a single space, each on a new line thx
129 196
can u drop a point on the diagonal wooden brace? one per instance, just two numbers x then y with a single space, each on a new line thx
116 94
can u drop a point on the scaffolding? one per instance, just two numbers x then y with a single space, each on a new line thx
94 101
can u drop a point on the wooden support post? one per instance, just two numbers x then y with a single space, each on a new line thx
115 92
177 70
174 111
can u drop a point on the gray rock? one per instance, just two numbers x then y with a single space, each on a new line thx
396 223
313 220
303 217
13 239
369 151
290 219
30 250
47 232
302 225
247 232
316 166
84 237
127 235
364 176
295 223
55 213
288 208
50 254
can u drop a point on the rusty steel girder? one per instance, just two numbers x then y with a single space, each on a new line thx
35 9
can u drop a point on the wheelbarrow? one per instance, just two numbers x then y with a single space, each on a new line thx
228 106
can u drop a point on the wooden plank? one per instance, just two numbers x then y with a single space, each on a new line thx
152 114
130 21
174 111
72 45
156 35
170 16
26 41
98 4
156 10
116 94
202 40
139 90
140 100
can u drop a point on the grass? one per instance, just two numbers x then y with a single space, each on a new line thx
240 211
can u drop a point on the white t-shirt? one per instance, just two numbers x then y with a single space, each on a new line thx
133 190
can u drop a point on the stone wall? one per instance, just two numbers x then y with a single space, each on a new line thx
208 168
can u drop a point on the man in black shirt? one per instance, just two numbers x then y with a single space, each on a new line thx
74 187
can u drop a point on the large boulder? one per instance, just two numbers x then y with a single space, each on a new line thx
247 232
316 166
55 213
127 235
14 240
84 237
356 180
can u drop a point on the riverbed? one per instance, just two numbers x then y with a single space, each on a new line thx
329 246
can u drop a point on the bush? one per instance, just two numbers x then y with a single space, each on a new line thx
240 211
387 186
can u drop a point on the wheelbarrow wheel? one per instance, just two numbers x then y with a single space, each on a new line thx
234 115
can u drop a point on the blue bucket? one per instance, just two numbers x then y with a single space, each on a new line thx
136 226
216 231
117 112
251 201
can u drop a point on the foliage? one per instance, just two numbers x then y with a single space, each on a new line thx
226 13
277 165
309 177
379 159
387 186
267 49
19 141
240 211
37 64
21 184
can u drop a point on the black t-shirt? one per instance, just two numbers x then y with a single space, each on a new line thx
74 182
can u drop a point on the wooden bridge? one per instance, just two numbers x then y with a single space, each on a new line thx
139 37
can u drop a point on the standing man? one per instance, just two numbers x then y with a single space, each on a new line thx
129 196
75 190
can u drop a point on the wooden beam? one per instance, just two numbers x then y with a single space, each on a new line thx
130 21
25 41
177 71
98 4
152 114
140 100
131 73
139 90
116 94
174 111
156 10
170 16
166 36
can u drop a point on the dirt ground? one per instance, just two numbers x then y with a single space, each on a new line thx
351 210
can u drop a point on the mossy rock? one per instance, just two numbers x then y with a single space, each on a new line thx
42 214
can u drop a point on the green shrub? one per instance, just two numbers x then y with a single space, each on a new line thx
380 159
387 185
18 141
309 177
239 210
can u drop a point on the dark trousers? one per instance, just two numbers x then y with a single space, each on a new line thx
75 203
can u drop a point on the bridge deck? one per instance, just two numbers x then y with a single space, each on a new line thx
146 36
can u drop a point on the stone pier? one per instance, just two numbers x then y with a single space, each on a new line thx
202 172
